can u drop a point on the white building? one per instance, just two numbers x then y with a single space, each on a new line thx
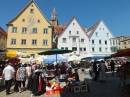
101 40
74 38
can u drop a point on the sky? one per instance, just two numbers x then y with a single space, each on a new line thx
115 13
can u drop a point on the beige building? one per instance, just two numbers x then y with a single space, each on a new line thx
123 42
3 39
30 32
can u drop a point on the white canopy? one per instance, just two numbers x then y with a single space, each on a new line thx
41 58
73 58
86 55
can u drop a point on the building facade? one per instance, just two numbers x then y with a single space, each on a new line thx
101 40
29 32
124 42
3 41
74 38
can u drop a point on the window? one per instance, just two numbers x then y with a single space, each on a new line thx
13 41
82 40
62 47
125 47
96 34
100 42
119 43
69 32
38 21
128 42
84 49
74 48
74 39
14 29
124 43
32 55
77 32
92 41
66 48
107 34
105 41
45 30
105 49
93 49
80 49
103 29
23 41
113 42
34 30
31 10
45 42
24 30
23 20
100 49
99 28
64 40
73 23
34 42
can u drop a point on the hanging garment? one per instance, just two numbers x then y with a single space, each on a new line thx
40 86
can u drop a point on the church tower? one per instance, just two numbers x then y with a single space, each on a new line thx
54 20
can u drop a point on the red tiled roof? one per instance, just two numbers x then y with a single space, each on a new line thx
93 28
60 30
3 32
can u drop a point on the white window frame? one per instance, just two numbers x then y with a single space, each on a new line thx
14 29
69 32
100 41
13 41
24 30
45 42
62 47
31 10
34 41
93 49
105 42
64 40
34 30
80 49
100 49
82 39
93 41
23 41
45 30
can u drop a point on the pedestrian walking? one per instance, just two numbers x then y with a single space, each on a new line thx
8 74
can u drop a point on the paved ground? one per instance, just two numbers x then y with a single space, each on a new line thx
97 89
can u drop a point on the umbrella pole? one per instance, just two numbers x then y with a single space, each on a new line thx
56 58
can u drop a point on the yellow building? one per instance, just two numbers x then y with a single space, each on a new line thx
29 32
3 41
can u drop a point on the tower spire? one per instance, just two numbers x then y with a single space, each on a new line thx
54 14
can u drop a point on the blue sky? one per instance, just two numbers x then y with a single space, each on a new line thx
115 13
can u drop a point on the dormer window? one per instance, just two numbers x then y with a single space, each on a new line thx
96 34
23 20
69 32
38 21
31 10
107 34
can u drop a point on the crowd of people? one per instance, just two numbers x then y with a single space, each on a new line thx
28 73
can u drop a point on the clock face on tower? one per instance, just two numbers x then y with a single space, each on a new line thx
30 23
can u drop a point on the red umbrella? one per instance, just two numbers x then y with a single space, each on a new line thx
13 60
